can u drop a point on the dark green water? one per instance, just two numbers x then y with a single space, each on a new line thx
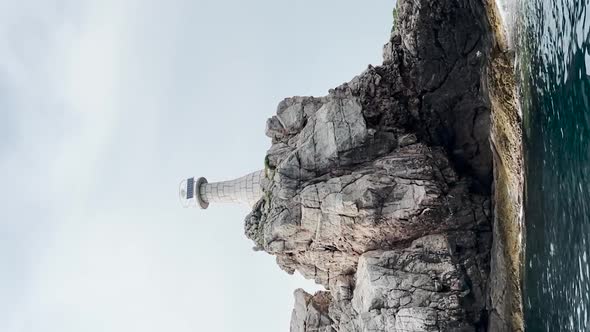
554 55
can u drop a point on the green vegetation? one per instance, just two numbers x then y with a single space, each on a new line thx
394 13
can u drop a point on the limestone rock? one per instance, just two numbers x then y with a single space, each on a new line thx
380 191
311 312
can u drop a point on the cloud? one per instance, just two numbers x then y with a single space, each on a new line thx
105 105
56 117
62 67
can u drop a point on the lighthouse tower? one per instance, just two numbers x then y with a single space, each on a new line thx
199 192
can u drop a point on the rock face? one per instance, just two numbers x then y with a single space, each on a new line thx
311 312
380 191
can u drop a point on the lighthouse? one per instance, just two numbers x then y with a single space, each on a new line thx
200 193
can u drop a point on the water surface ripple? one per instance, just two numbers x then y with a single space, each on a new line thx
554 60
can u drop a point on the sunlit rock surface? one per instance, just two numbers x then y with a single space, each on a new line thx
380 191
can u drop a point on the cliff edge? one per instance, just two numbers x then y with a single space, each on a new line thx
381 190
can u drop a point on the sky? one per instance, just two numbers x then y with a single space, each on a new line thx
105 106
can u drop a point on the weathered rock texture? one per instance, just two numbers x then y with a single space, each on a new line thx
380 191
506 307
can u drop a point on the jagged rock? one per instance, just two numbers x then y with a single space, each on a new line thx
311 312
379 191
434 284
420 288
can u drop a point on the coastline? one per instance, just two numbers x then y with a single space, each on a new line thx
401 191
506 307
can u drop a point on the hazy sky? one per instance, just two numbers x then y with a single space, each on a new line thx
105 106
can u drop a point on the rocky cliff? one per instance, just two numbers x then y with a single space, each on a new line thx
380 191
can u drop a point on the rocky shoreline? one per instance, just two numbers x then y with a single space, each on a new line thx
396 191
505 294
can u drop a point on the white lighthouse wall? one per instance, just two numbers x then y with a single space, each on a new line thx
245 190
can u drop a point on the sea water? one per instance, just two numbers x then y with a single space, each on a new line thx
553 52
